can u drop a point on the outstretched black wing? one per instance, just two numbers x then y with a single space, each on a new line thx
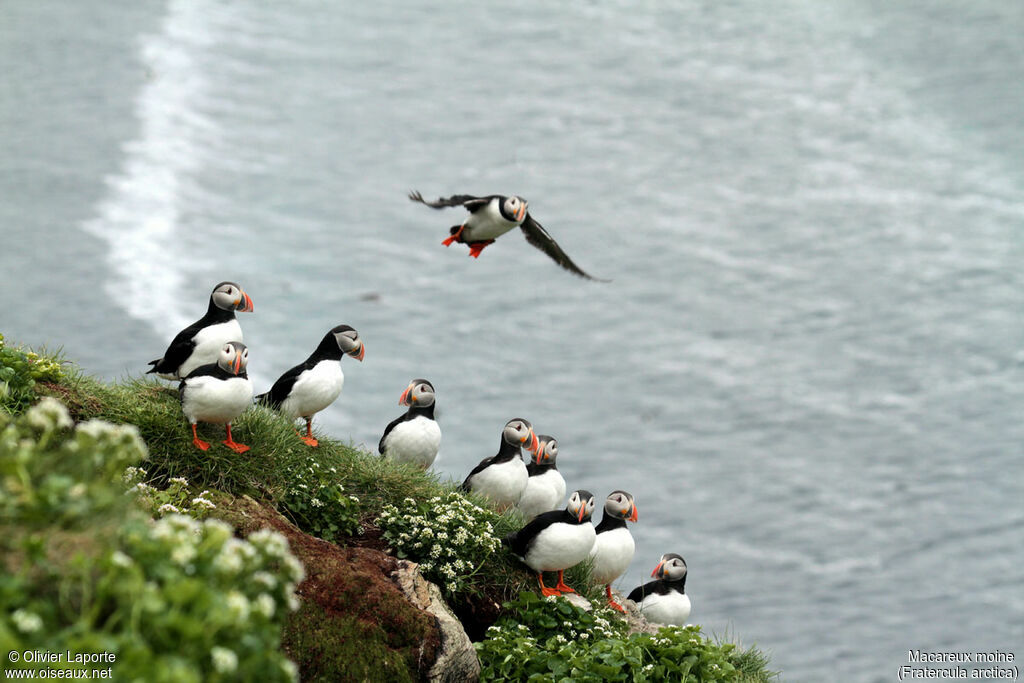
539 237
471 203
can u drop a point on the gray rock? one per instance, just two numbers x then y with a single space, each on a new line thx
457 660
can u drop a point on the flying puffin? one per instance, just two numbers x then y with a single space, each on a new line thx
218 393
664 601
502 477
313 384
613 550
491 217
201 342
545 487
556 540
415 436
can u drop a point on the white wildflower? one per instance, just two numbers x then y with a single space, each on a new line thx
289 669
225 661
238 605
119 559
229 560
49 413
266 579
316 502
179 480
26 622
167 508
201 502
78 490
265 605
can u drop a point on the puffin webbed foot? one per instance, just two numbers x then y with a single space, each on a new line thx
561 583
197 442
475 248
232 444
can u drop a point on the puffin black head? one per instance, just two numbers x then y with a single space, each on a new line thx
620 505
348 341
671 567
420 392
233 358
581 505
519 432
230 297
547 450
513 209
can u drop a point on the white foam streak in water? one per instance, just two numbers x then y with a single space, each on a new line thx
141 216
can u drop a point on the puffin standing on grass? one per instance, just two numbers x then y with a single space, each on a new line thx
200 343
556 540
218 393
491 217
502 477
664 601
313 384
545 487
415 436
613 550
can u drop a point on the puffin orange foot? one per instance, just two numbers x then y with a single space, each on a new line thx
235 446
475 248
615 605
200 444
310 441
561 583
545 591
456 236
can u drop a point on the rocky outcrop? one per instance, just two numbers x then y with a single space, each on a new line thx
456 660
356 622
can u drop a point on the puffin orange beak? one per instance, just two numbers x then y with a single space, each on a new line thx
362 352
658 568
538 455
579 516
535 444
403 399
236 365
633 517
244 303
521 213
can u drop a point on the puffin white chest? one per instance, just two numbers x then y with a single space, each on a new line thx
560 546
210 399
208 343
671 608
613 551
544 492
416 441
314 390
487 224
503 482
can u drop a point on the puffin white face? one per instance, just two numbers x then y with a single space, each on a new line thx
519 432
621 505
420 392
349 341
581 505
228 296
672 567
515 208
547 451
233 358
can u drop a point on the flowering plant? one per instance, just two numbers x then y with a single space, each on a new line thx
19 372
448 535
315 501
177 498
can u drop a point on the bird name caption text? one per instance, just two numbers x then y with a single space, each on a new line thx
66 664
959 666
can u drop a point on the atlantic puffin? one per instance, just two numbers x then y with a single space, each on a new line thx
502 477
415 436
545 487
201 342
313 384
491 217
664 601
614 547
218 393
556 540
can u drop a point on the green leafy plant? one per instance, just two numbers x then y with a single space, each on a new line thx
448 535
85 571
19 372
550 640
316 502
177 498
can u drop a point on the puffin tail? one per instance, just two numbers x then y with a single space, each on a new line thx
154 363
